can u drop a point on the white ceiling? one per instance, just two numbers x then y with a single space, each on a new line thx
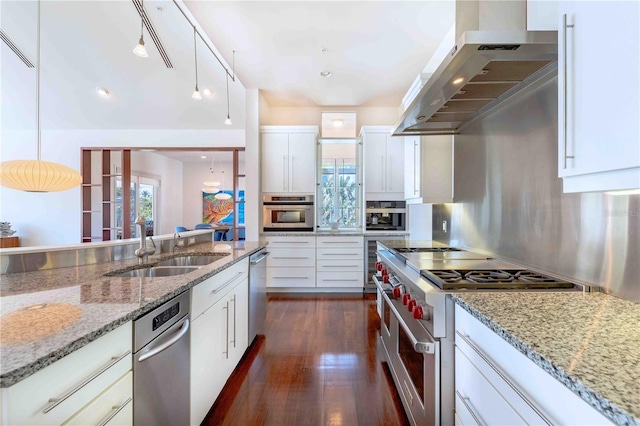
375 51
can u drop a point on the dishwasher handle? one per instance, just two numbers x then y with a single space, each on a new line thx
260 259
165 345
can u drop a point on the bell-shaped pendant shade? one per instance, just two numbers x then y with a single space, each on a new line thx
38 176
196 95
212 183
228 121
210 189
140 50
222 196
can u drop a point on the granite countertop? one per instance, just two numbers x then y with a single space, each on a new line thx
337 233
590 342
48 314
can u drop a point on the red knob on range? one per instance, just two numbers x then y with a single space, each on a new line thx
412 304
385 278
396 292
405 298
418 312
378 266
384 271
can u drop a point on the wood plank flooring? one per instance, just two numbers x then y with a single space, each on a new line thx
318 364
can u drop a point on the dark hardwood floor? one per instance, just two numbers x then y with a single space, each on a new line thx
318 364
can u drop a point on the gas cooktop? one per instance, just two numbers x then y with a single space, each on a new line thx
496 279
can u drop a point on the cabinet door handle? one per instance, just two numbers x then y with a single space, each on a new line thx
54 402
384 172
291 257
416 166
289 242
467 403
565 155
284 172
340 266
217 290
226 338
341 280
291 173
233 300
340 254
291 278
114 411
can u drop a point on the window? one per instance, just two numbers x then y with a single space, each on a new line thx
144 196
339 193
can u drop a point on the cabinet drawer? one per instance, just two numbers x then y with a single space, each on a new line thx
214 288
337 242
340 279
275 242
291 277
479 397
291 257
552 399
340 265
106 407
75 380
340 253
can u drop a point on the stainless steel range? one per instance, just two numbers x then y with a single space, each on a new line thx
413 281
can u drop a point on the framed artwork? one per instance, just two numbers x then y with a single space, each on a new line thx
216 211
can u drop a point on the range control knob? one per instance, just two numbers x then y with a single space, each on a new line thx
378 266
385 278
397 292
418 312
384 271
411 305
405 298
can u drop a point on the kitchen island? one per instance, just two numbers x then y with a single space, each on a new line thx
589 342
89 304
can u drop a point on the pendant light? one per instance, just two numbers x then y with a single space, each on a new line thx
196 93
140 50
228 120
38 175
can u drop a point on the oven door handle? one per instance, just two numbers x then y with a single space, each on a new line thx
420 346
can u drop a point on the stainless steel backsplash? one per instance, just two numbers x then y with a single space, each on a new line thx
509 202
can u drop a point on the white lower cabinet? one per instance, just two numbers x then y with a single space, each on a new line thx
219 336
87 386
291 262
340 262
497 384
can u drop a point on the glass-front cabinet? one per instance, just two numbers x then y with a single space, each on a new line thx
339 197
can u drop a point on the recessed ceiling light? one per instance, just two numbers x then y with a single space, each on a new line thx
458 80
338 122
207 92
325 73
203 156
324 50
102 92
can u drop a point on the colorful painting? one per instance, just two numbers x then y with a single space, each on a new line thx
217 211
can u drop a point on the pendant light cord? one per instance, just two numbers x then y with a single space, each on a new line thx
38 84
195 54
141 19
227 95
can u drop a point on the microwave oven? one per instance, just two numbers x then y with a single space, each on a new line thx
287 213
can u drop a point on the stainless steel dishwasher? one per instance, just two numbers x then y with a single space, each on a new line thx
257 292
161 364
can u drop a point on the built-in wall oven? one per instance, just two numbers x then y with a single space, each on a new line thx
287 213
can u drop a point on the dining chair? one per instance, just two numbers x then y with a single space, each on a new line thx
181 229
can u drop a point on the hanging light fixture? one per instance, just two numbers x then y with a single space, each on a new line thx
38 175
196 93
212 184
140 50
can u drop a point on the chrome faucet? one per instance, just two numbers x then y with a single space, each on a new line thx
143 252
176 237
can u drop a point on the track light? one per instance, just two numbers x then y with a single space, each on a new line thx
140 50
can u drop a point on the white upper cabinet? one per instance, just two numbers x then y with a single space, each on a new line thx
598 98
288 159
428 169
383 163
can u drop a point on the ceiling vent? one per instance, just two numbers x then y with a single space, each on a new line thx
7 40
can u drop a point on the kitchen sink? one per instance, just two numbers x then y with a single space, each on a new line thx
190 260
157 271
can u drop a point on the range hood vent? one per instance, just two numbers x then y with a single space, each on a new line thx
484 69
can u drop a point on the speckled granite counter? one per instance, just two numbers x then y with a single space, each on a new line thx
590 342
88 304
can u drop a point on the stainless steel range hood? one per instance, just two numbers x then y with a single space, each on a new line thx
483 69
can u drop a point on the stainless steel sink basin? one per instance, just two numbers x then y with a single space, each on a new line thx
190 260
163 271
